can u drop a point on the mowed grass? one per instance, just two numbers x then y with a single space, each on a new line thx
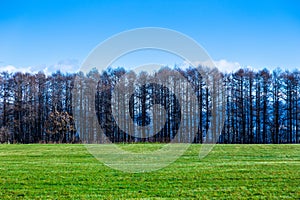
229 171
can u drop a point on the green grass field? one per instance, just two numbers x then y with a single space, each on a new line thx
229 171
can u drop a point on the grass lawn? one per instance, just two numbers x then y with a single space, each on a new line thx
229 171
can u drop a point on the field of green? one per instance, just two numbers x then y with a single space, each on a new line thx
229 171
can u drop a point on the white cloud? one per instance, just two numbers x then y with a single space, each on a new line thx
223 65
72 66
65 66
227 66
13 69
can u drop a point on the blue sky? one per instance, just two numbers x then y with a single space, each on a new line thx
59 34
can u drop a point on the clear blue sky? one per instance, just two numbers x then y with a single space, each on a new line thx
258 33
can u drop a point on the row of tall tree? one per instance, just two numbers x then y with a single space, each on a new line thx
262 107
172 104
36 108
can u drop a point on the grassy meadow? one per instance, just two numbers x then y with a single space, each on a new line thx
229 171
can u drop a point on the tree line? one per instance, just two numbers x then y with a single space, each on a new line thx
171 104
